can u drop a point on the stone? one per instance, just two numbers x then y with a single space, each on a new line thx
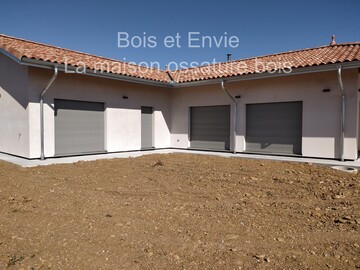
260 256
341 220
149 254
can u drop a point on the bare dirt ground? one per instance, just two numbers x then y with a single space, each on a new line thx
179 211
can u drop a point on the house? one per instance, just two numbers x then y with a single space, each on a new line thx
59 102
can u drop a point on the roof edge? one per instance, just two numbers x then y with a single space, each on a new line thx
270 55
245 77
255 76
72 70
76 51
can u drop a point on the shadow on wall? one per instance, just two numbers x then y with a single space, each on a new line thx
13 80
115 94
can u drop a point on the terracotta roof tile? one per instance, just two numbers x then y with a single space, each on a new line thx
23 48
336 53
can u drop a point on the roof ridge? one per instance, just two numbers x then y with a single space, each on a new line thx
79 52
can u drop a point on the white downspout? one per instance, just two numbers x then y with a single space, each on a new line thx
235 114
342 120
42 155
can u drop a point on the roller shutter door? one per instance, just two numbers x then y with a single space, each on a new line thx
210 127
79 127
274 127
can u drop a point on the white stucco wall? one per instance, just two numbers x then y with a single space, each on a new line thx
321 111
20 88
358 136
14 124
122 116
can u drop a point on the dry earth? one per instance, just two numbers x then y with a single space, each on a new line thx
179 211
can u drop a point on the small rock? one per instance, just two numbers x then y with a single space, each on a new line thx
232 236
26 199
341 220
280 239
339 196
158 163
260 256
149 254
356 245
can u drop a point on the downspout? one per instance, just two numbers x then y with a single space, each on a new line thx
342 120
42 156
235 114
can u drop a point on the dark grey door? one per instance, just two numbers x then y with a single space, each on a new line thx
79 127
210 127
274 127
146 127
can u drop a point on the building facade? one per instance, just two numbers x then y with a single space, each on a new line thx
312 111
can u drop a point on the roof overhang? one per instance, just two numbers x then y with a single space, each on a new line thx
90 72
245 77
255 76
73 70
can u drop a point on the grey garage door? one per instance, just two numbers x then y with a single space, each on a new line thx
79 127
210 127
274 127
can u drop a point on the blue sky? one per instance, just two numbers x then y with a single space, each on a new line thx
262 27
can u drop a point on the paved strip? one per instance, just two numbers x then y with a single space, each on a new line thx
63 160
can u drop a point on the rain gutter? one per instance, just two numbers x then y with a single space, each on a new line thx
342 118
234 116
42 155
